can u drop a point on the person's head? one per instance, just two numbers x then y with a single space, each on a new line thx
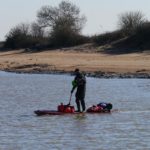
76 71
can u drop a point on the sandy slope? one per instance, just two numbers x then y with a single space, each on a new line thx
68 60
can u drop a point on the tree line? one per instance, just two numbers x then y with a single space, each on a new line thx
61 26
55 27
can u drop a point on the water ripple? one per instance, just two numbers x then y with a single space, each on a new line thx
20 129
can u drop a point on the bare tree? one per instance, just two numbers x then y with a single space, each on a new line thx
66 14
130 21
18 36
36 30
22 29
62 24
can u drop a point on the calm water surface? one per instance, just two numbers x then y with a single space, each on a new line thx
20 129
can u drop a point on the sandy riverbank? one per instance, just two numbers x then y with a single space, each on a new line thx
97 64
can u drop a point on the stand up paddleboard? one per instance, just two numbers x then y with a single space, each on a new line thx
52 112
67 109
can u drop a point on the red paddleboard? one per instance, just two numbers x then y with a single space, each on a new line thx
55 112
67 109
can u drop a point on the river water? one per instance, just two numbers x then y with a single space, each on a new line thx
20 129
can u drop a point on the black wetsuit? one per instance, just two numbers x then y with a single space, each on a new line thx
81 89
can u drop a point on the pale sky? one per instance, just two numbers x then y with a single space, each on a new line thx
102 15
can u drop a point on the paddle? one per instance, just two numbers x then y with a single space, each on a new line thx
70 99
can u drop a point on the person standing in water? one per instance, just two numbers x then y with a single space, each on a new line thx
79 82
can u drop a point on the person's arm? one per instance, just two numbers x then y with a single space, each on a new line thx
74 84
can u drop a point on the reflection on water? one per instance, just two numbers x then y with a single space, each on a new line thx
20 129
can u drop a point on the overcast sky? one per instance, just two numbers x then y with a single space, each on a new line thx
102 15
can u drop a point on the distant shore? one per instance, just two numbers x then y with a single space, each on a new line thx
94 64
88 74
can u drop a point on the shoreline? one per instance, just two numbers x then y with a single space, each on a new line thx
98 74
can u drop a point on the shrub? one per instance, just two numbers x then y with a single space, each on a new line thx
107 37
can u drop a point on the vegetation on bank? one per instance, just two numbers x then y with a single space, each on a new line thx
61 27
133 35
55 27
